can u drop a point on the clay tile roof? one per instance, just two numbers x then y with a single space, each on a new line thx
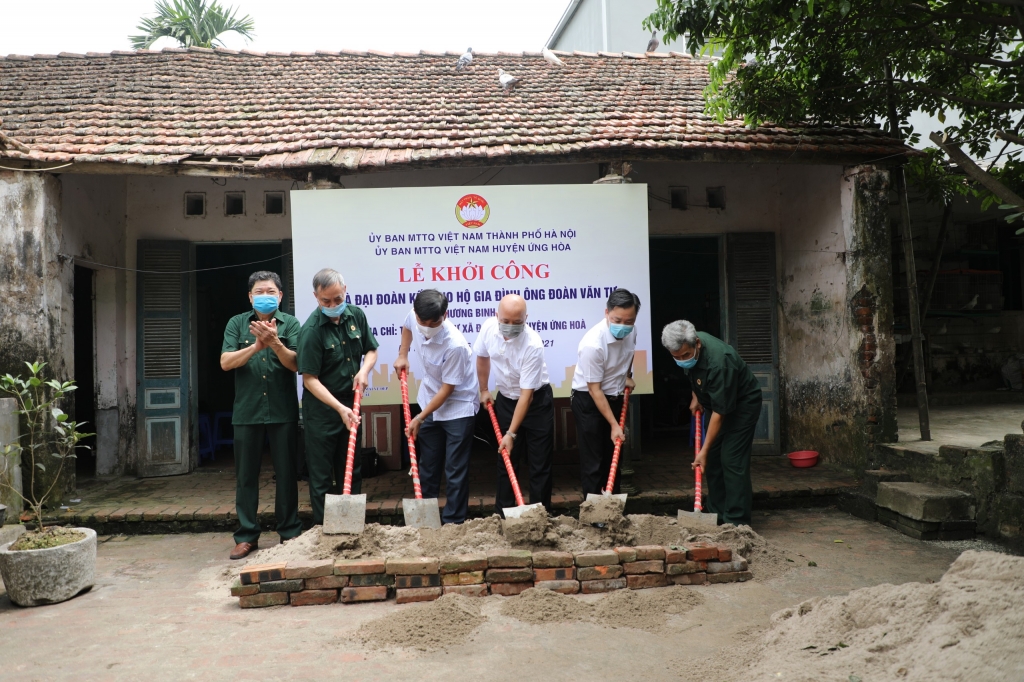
365 110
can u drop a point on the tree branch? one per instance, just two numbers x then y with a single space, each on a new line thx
1009 137
972 169
973 58
1006 106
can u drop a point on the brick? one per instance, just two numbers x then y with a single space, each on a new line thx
415 594
327 582
261 572
688 579
650 553
282 586
509 558
597 586
638 567
702 551
509 575
371 579
552 559
562 586
725 553
422 565
240 590
356 594
463 563
358 566
314 597
257 601
466 578
642 582
737 577
686 567
597 557
727 566
626 554
675 555
510 589
544 574
469 590
599 572
308 569
405 582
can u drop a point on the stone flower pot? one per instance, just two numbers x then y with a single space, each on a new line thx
34 577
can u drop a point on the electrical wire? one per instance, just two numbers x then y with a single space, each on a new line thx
175 272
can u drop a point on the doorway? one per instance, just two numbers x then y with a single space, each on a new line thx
685 285
221 293
85 367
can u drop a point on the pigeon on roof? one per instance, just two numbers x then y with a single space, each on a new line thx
508 81
464 60
551 58
653 43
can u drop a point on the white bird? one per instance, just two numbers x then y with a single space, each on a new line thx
551 58
508 81
653 43
972 304
465 60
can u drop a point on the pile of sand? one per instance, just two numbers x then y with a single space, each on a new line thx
544 606
439 624
967 626
642 610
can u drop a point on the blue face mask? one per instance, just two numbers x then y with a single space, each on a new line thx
336 311
620 331
687 364
264 303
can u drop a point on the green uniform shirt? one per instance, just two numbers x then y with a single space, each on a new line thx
334 352
265 390
722 381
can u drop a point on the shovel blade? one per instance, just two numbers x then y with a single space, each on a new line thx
698 520
598 516
517 512
422 513
591 497
344 514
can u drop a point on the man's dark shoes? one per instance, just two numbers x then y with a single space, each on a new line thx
243 549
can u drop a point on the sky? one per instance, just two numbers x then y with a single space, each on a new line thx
53 26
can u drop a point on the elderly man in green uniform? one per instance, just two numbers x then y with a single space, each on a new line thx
337 350
259 347
723 384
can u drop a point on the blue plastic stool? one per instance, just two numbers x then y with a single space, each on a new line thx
206 448
222 431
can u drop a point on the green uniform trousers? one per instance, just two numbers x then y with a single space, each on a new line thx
727 472
249 439
326 439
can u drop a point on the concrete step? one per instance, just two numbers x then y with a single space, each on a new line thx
925 501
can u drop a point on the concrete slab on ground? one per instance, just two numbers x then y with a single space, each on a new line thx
964 425
925 501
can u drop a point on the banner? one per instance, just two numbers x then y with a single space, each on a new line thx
564 248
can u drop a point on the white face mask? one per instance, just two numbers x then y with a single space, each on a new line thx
510 331
429 332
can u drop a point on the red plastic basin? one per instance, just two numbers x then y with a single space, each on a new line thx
803 458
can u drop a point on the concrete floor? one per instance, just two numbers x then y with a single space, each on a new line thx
155 615
966 425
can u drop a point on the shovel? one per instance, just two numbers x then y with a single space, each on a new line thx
521 507
613 470
697 519
346 513
419 513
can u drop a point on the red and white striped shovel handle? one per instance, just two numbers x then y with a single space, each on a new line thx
353 433
505 456
697 440
614 469
414 469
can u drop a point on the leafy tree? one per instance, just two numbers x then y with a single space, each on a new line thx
192 23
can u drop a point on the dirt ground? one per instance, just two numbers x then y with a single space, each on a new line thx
156 614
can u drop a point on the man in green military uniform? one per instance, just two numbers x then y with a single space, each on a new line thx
259 346
337 350
722 383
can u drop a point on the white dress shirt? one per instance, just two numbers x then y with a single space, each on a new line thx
447 359
517 363
605 359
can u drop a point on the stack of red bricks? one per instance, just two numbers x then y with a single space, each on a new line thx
504 572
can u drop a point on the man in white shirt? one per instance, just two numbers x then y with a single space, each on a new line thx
448 396
603 370
523 402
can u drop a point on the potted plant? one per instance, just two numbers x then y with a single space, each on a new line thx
49 564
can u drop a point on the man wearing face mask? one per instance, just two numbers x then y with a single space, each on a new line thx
337 350
448 396
523 403
603 370
259 347
722 383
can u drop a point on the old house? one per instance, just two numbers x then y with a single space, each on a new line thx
139 190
